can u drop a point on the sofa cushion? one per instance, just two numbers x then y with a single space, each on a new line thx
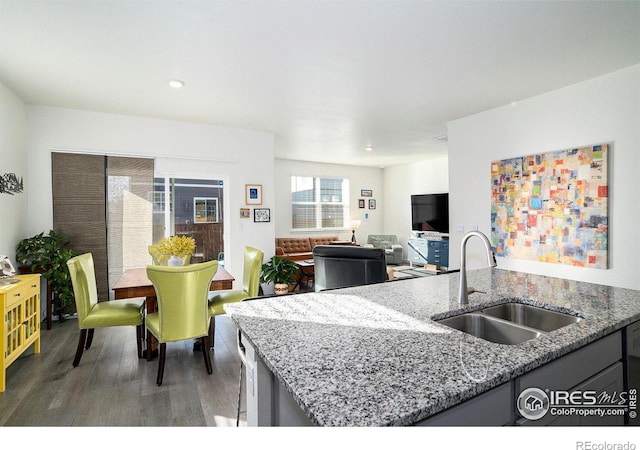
322 240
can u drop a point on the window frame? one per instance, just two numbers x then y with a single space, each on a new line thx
206 200
318 203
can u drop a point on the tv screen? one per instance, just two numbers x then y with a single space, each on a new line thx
430 212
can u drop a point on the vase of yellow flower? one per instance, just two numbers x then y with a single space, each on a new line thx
174 249
175 261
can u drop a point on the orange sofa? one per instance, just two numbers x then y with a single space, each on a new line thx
299 248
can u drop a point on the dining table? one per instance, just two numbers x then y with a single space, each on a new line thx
134 283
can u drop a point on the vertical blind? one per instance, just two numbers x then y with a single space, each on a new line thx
129 213
104 204
79 208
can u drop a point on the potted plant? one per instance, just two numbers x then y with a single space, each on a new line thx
279 271
48 255
174 250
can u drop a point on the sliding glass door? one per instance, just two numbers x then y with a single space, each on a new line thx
190 207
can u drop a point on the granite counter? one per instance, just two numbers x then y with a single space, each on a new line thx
373 355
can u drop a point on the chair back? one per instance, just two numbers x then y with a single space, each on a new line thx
83 279
155 255
252 269
182 294
338 266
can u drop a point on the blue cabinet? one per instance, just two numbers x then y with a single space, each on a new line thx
439 253
427 251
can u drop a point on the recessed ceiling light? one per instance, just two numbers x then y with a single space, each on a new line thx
369 148
176 84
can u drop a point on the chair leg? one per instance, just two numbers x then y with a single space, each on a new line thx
139 335
239 394
89 339
81 341
207 356
212 330
163 353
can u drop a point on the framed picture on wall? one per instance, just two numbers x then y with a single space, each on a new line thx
245 213
361 203
372 203
366 193
253 194
262 215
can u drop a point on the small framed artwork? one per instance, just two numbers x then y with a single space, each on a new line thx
253 194
372 203
361 203
245 213
262 215
366 193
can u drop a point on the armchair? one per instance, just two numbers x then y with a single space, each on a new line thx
388 242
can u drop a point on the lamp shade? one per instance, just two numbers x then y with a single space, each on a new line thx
355 224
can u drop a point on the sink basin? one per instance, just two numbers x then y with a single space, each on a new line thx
531 316
490 328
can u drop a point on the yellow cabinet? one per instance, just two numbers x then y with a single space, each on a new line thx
20 305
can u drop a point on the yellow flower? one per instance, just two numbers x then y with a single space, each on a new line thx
176 245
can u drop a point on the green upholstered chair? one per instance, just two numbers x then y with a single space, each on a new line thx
93 314
182 294
155 256
250 287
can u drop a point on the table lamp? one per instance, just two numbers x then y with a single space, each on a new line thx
354 226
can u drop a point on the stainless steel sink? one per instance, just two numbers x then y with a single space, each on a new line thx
531 316
490 328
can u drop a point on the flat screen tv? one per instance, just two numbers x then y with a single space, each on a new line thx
430 212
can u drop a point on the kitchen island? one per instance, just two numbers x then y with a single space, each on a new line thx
374 356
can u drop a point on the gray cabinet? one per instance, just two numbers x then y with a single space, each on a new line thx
492 408
596 367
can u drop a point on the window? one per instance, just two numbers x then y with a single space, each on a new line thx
319 203
205 210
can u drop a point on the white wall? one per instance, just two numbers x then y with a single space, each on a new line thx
13 159
359 178
400 182
181 149
601 110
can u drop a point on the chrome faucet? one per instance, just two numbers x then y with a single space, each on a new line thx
463 292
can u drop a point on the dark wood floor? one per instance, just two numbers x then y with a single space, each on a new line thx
112 387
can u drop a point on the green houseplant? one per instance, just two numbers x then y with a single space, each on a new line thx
279 271
48 254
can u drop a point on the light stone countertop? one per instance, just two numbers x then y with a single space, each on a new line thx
373 356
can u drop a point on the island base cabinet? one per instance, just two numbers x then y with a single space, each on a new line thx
610 381
597 367
268 402
492 408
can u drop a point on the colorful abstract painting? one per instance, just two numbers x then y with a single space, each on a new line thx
552 207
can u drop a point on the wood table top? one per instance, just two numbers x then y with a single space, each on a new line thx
137 277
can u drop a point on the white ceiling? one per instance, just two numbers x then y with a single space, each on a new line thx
328 78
